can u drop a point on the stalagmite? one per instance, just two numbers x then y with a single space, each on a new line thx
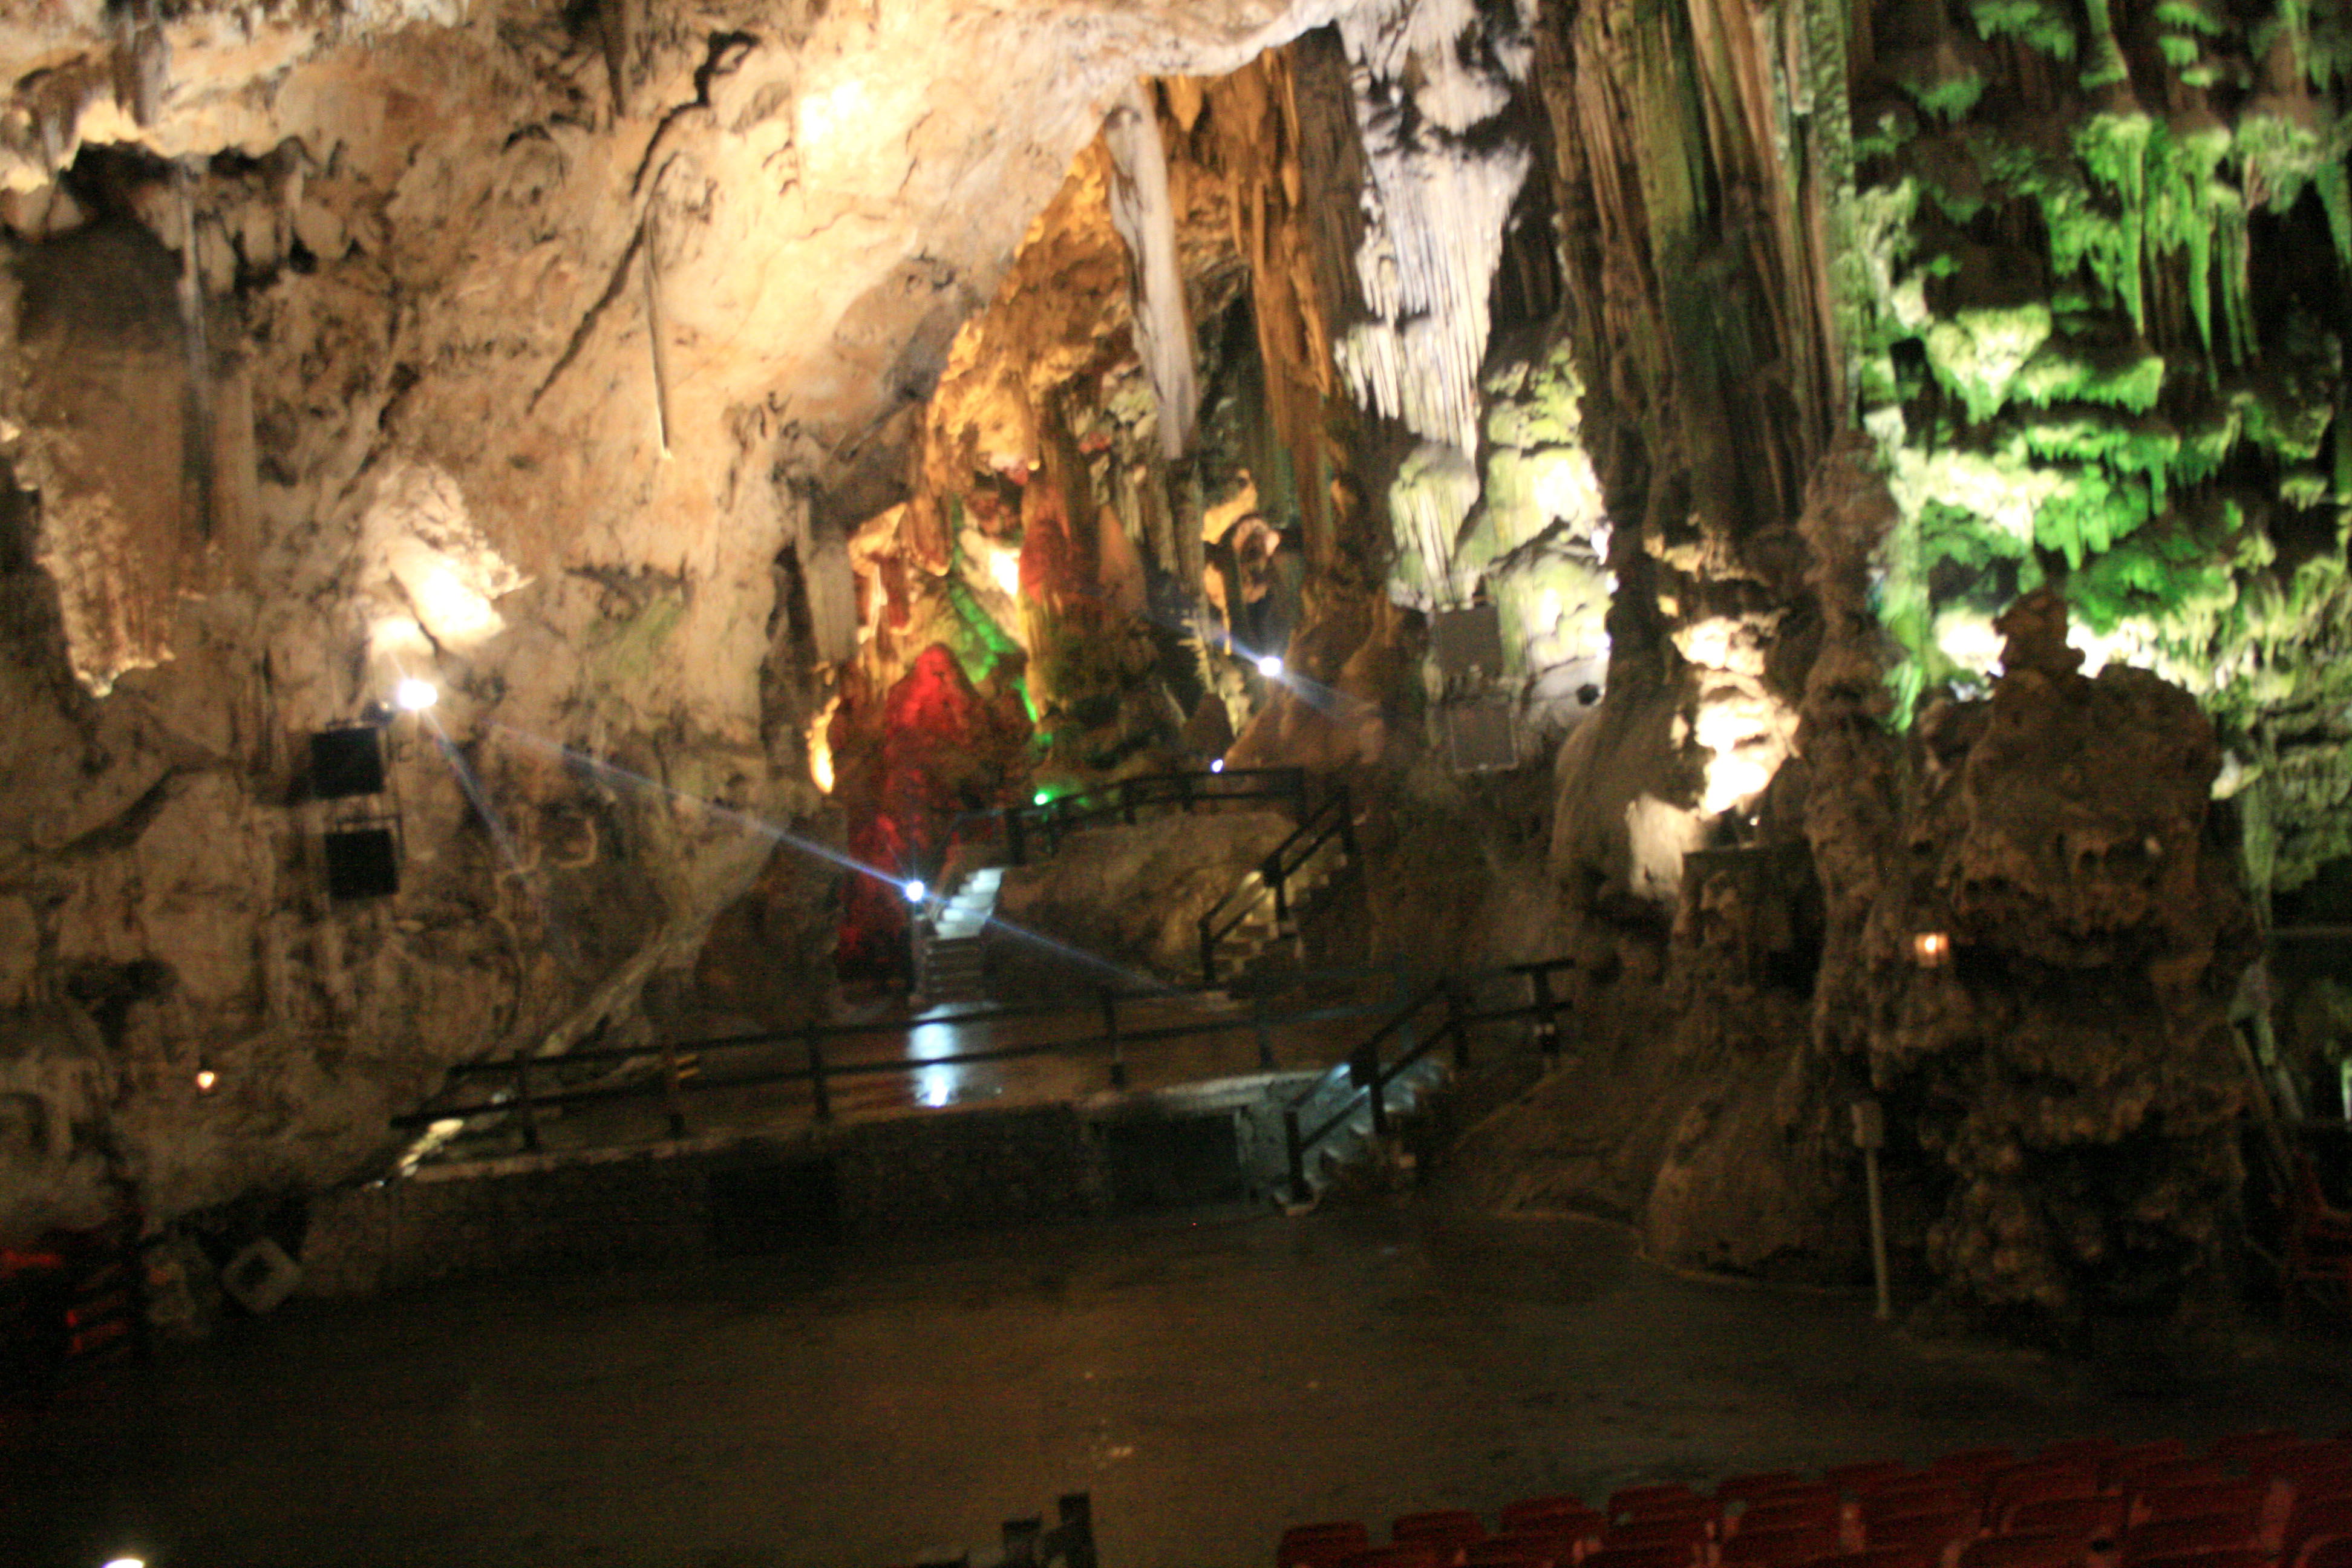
1142 212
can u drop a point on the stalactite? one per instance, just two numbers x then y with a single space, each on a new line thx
1438 199
1142 212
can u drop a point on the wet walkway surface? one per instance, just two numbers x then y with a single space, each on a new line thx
1208 1379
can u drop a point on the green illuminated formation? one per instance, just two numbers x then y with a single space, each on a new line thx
2100 344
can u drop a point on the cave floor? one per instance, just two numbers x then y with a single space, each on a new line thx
1209 1378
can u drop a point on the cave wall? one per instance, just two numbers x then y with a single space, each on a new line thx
549 355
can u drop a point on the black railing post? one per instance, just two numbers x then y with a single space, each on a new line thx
1299 1192
522 1104
1548 1010
672 1095
1110 1028
820 1091
1127 801
1017 837
1457 1021
1364 1075
1208 953
1184 792
1077 1530
1264 1032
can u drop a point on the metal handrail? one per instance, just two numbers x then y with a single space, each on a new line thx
681 1076
680 1061
1129 795
1285 860
1371 1078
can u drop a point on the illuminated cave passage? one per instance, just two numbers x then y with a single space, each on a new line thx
550 555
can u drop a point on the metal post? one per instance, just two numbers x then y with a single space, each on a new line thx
1364 1071
671 1095
1016 845
1457 1021
1264 1032
1077 1530
1298 1191
522 1104
1110 1028
1547 1008
820 1091
1184 792
1870 1135
1208 955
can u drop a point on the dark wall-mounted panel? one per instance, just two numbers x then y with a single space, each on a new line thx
347 762
362 863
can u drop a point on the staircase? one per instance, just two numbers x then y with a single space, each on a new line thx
1352 1144
1265 943
948 957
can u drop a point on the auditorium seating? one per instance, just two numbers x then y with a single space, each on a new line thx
2264 1498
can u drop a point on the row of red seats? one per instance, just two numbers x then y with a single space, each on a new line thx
2255 1500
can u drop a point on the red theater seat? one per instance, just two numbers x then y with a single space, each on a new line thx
2060 1549
1781 1548
1635 1500
2096 1518
1320 1545
2206 1532
1442 1527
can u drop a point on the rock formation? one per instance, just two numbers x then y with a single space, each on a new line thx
1622 445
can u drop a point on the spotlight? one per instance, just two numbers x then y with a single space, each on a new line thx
1041 798
128 1563
414 696
1931 948
205 1080
914 890
1217 764
1270 665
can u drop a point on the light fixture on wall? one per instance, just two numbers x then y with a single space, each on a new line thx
1270 665
1931 948
414 695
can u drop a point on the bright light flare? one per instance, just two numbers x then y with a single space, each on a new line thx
1270 665
914 890
1005 566
1931 948
1217 766
128 1563
206 1079
414 696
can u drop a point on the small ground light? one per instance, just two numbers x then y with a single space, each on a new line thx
1270 665
1931 948
205 1079
1217 766
414 696
128 1563
914 890
1041 798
